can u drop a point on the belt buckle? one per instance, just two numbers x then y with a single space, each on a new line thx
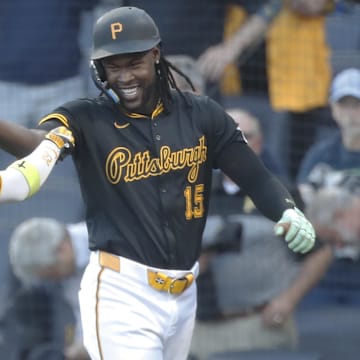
173 282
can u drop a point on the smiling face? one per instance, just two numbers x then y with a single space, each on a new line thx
133 78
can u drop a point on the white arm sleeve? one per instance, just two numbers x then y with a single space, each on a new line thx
24 177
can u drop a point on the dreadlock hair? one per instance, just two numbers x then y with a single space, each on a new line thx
167 81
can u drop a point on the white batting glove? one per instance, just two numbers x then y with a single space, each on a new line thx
300 236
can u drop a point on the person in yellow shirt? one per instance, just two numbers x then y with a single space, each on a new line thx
297 70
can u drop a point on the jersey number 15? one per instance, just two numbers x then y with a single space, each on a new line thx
194 199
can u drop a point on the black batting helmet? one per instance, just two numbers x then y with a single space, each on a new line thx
124 30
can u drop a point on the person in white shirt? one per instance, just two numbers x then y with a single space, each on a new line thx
46 249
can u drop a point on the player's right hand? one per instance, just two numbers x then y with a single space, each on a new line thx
62 137
300 235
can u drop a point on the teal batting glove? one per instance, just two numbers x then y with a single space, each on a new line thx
300 236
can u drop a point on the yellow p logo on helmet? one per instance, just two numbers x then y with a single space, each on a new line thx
116 28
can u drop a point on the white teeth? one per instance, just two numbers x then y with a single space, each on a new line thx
129 92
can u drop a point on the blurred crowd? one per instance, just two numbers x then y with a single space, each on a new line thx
288 72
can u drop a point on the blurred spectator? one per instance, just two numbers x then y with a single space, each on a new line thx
243 31
45 252
193 28
329 181
252 130
299 72
42 56
335 212
255 311
342 150
298 56
292 66
190 68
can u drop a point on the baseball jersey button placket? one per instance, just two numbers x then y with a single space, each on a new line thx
157 137
164 191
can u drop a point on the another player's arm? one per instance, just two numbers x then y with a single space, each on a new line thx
24 177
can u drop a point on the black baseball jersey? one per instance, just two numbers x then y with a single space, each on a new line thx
146 181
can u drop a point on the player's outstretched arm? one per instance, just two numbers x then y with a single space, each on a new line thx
18 140
270 197
24 177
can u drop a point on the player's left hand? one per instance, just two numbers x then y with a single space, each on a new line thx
300 235
63 138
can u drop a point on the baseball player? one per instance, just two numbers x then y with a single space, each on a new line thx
144 153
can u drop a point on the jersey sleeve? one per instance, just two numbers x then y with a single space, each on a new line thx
221 129
245 168
65 115
62 115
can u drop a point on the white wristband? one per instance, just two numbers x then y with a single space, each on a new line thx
24 177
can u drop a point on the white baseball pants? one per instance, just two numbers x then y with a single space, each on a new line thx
123 317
